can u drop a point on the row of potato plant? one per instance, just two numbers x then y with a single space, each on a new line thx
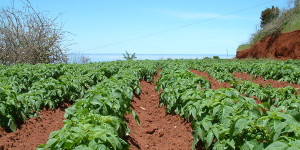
25 89
96 121
287 96
20 102
224 119
288 71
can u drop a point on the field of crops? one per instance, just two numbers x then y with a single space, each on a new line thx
237 114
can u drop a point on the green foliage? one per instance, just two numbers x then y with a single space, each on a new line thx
128 56
96 121
288 71
46 86
223 118
90 131
268 15
294 22
243 46
216 57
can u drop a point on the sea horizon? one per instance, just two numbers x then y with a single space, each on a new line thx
100 57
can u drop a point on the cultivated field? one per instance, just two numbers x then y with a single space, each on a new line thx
144 104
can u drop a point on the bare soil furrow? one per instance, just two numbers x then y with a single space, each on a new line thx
35 132
157 129
214 84
260 80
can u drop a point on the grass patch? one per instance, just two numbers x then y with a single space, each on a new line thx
243 47
293 24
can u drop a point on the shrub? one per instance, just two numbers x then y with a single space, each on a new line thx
268 15
128 56
216 57
29 36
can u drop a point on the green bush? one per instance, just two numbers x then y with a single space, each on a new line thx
206 58
268 15
128 56
216 57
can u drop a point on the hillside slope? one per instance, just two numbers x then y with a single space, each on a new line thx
282 46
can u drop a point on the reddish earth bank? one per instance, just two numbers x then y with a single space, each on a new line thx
157 129
282 46
35 132
260 80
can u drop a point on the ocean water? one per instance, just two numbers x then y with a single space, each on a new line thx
113 57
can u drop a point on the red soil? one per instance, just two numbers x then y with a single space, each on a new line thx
158 130
282 46
260 80
214 84
35 132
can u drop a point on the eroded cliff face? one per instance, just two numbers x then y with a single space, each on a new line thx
282 46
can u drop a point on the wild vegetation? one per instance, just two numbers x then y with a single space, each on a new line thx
128 56
272 24
30 36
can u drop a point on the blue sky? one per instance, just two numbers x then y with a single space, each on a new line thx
113 26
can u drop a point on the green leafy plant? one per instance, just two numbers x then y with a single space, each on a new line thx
128 56
96 121
225 119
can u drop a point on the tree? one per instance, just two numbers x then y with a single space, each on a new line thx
29 36
128 56
268 15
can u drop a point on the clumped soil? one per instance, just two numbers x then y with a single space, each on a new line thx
157 129
260 80
35 132
283 46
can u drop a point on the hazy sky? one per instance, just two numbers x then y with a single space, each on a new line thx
156 26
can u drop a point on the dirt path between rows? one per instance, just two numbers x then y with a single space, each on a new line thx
35 132
245 76
157 130
214 84
261 80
